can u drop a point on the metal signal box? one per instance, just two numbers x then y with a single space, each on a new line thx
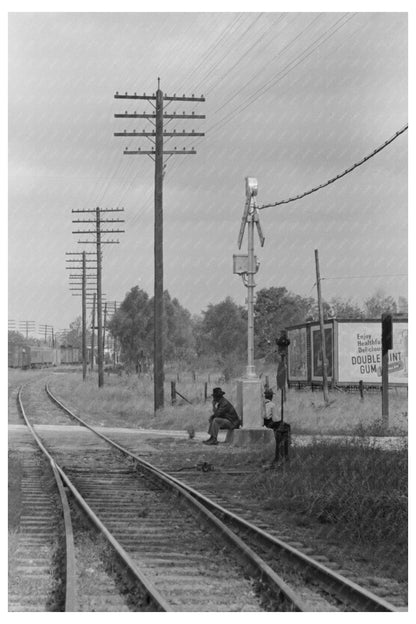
240 263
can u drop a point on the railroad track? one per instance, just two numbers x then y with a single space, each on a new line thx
158 520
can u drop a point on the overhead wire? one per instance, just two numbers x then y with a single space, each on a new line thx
278 55
225 32
340 175
260 39
232 44
290 66
365 276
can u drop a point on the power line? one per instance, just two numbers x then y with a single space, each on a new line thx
281 51
290 66
364 276
340 175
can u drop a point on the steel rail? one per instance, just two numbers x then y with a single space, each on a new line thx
277 587
336 584
71 601
71 598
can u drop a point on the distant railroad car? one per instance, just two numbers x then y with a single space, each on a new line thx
70 355
41 356
15 356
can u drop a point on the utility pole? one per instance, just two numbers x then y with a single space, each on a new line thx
321 325
93 332
159 101
74 280
84 316
104 326
46 330
98 241
27 326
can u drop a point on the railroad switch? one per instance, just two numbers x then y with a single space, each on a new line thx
204 467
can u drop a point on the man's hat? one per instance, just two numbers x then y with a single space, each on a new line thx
268 393
217 392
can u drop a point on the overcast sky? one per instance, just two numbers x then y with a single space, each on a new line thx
292 99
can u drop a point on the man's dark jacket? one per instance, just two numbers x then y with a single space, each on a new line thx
224 409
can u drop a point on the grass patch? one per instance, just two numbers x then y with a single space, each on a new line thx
356 492
127 401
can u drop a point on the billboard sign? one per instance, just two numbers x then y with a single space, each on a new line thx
317 352
297 355
359 353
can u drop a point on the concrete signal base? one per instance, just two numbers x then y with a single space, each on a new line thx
250 437
250 410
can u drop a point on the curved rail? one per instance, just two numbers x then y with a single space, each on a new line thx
336 584
258 568
71 599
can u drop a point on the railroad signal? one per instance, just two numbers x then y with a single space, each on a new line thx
386 332
247 266
386 344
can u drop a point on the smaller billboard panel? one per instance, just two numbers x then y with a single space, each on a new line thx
297 355
316 342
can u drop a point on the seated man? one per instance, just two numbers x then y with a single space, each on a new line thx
224 416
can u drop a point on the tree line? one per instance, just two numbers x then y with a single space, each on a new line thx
218 336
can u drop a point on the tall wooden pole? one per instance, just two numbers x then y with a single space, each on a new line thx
104 326
158 372
93 331
157 135
99 302
84 318
321 325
